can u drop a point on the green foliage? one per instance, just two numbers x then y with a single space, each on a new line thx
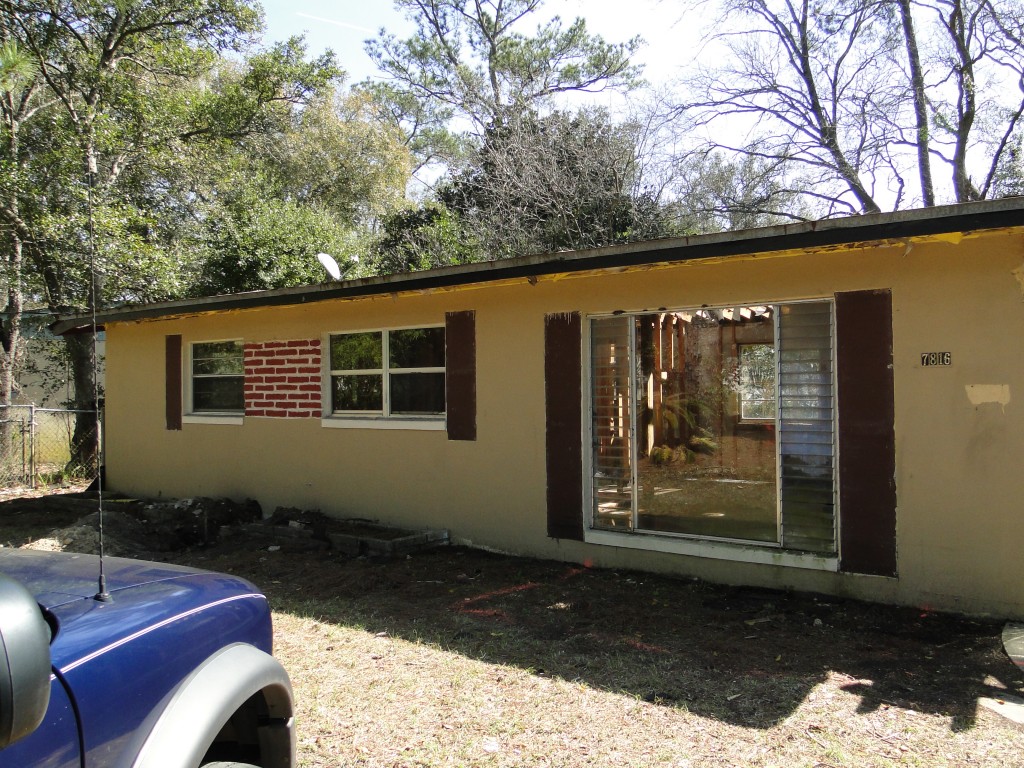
472 62
259 97
424 237
472 57
257 243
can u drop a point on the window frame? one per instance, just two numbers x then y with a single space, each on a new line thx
191 414
737 550
383 419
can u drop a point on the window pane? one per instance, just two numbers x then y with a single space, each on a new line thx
701 470
357 393
807 431
417 348
612 423
219 357
356 352
218 393
421 393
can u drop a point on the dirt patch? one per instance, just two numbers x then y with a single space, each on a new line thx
459 657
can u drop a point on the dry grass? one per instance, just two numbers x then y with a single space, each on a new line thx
459 658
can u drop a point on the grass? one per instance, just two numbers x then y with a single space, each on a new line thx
460 658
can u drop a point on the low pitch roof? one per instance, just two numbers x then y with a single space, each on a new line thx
829 233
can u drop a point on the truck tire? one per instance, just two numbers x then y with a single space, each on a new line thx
228 765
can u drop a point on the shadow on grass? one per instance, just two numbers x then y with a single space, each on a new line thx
747 657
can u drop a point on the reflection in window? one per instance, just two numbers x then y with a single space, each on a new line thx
684 409
218 377
756 373
388 373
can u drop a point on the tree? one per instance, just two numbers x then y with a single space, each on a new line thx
21 97
262 208
810 82
560 182
846 96
714 191
471 61
976 95
124 80
426 236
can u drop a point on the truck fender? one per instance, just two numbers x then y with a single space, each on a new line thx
204 702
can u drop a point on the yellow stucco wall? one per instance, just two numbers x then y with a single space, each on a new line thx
959 429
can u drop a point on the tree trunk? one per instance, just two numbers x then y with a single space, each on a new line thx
10 335
85 440
920 105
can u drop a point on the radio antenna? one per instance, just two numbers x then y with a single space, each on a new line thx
102 595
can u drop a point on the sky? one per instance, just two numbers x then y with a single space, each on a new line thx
343 25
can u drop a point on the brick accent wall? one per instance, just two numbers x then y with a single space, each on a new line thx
282 378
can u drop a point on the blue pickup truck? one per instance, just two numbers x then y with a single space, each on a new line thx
168 667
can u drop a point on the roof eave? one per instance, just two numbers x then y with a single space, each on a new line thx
925 222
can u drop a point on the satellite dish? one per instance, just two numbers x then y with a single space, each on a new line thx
330 265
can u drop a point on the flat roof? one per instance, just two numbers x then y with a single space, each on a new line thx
921 222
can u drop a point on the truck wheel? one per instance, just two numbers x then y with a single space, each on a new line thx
227 765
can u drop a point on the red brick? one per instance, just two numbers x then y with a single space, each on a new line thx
312 387
275 379
261 370
314 370
299 343
249 412
286 387
274 344
277 414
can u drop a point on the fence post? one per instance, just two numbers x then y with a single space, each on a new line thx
32 445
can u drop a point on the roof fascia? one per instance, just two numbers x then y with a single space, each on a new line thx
806 236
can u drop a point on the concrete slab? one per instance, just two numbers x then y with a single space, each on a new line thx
1010 707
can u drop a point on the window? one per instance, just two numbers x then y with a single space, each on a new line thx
394 374
716 423
756 379
218 377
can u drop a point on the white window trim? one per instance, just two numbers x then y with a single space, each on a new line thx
767 553
331 419
189 414
711 549
379 422
213 418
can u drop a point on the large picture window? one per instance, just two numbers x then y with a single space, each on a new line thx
218 377
390 374
716 423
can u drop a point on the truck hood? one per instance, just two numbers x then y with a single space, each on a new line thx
58 578
145 596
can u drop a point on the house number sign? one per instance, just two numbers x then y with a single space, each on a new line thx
936 358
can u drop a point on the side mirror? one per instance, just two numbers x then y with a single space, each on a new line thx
24 662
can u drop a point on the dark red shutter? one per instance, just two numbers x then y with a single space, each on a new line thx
563 412
460 374
867 440
172 379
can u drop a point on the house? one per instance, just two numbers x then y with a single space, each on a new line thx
833 406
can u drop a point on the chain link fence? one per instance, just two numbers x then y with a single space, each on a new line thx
37 446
